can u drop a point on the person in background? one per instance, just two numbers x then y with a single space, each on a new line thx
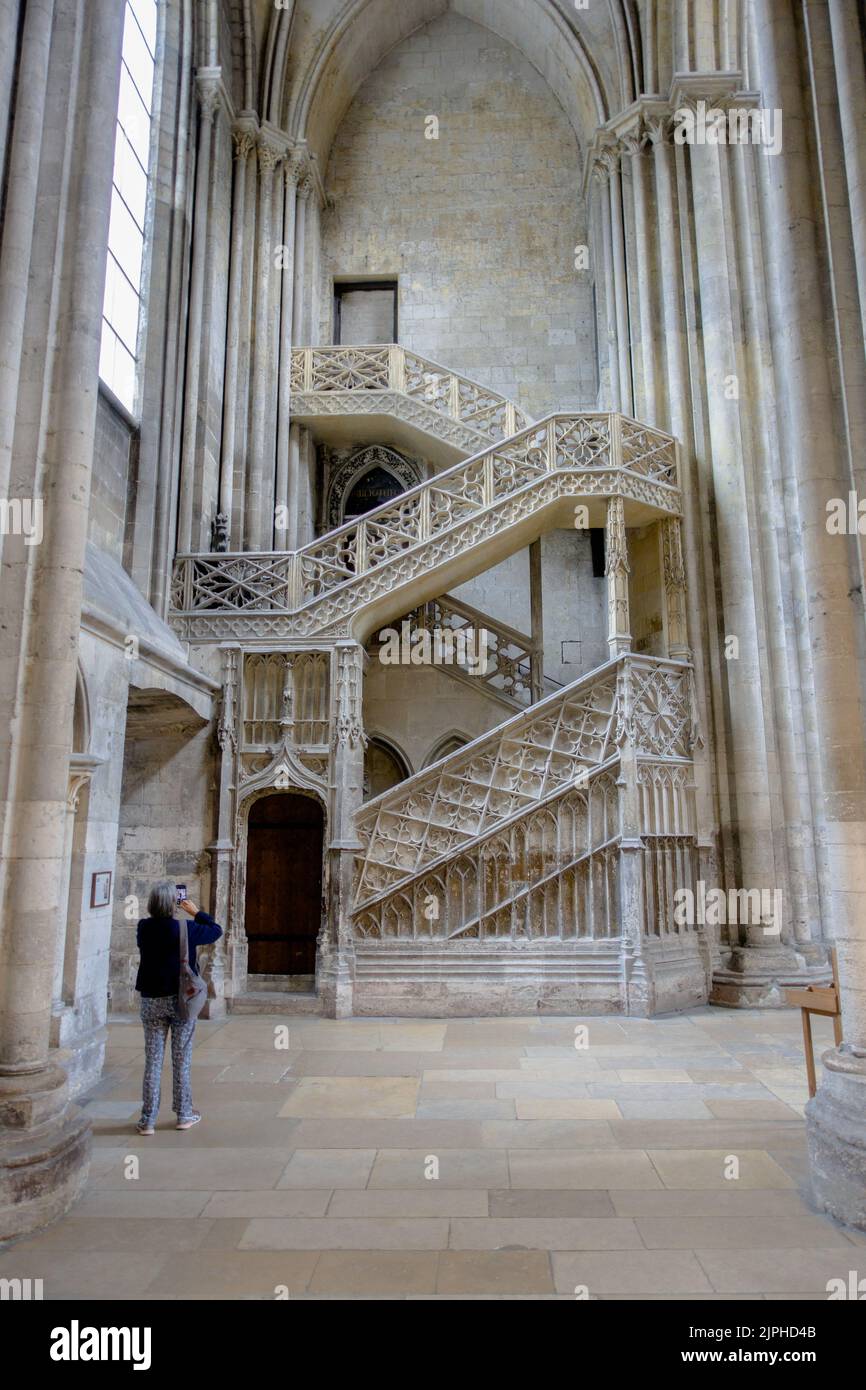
157 982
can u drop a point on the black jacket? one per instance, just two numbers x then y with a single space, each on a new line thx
159 943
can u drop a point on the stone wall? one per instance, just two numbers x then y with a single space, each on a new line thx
165 823
480 225
114 457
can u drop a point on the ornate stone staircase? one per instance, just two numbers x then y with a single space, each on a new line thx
433 537
545 853
533 869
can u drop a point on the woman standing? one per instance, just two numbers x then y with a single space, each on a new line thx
157 982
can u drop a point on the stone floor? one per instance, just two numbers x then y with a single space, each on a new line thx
471 1157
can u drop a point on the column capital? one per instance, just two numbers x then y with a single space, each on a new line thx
209 91
244 136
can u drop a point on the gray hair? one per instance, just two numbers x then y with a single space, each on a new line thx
162 900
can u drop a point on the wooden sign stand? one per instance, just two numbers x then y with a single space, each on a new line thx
817 999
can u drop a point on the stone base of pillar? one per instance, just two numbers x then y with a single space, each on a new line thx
335 979
756 977
44 1151
83 1059
836 1134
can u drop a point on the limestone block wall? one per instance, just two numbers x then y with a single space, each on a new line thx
114 458
479 225
415 707
166 820
575 635
84 932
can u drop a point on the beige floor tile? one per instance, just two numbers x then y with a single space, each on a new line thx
144 1205
545 1233
269 1203
770 1109
328 1168
805 1270
547 1134
737 1232
434 1089
155 1236
87 1274
416 1202
395 1272
733 1202
531 1109
215 1169
361 1097
473 1168
236 1274
349 1233
608 1169
691 1168
494 1272
630 1272
521 1202
652 1076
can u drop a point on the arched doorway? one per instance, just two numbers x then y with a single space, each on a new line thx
283 910
374 487
384 768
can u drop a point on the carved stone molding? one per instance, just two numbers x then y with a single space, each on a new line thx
344 468
348 722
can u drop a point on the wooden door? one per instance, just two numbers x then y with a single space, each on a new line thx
284 884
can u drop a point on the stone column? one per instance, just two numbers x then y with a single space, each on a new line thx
291 172
222 850
44 1141
616 569
604 255
619 286
536 606
260 476
851 81
20 210
836 1117
635 975
758 958
644 242
336 956
208 91
305 188
244 142
81 770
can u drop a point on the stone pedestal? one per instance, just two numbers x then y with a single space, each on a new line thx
756 977
44 1150
836 1132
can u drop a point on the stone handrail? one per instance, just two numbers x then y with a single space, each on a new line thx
538 798
507 676
559 742
328 581
390 367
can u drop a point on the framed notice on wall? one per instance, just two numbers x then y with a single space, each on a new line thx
100 889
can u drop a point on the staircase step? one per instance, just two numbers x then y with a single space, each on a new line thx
283 1002
289 984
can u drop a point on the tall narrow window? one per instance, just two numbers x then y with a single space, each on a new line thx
122 304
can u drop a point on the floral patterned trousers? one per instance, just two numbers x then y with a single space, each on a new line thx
158 1015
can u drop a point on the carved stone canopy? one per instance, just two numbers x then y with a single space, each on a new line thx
344 470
